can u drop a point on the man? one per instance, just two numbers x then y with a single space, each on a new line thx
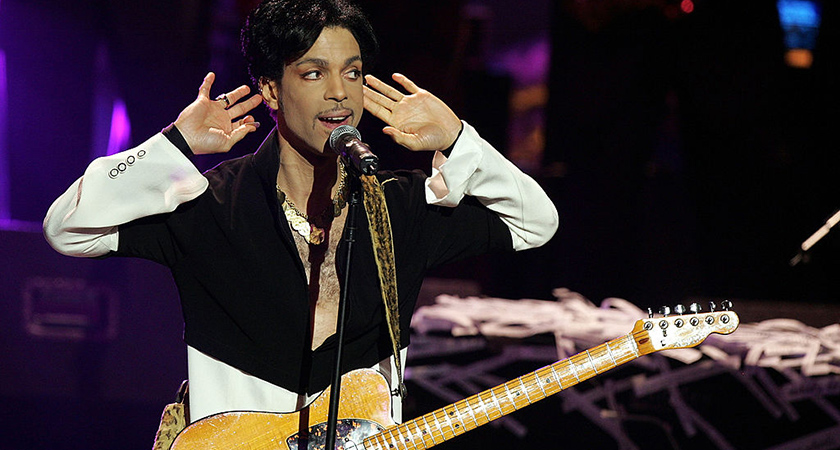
253 244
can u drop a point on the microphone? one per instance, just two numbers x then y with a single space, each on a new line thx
347 142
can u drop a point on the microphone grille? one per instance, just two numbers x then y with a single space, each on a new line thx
341 132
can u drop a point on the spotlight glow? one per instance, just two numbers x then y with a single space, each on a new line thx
800 20
5 183
120 128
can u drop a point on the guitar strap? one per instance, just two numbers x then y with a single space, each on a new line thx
175 417
379 223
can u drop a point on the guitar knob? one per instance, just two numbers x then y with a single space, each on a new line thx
726 305
679 309
665 311
695 308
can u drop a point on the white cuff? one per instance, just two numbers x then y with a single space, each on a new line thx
152 178
475 168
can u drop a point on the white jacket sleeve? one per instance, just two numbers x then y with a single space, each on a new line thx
152 178
475 168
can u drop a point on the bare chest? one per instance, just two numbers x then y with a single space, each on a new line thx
319 263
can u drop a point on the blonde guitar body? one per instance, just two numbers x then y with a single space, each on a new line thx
364 410
364 416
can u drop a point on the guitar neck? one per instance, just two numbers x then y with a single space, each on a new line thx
458 418
254 430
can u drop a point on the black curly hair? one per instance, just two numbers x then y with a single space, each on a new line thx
279 32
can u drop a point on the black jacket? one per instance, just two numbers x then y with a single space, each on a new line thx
243 287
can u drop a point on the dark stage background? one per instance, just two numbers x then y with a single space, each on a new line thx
686 158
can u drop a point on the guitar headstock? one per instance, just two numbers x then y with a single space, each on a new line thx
685 329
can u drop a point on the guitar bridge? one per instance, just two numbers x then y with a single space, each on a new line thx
349 435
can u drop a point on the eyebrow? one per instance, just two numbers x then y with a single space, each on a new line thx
324 63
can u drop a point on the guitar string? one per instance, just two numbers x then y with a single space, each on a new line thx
631 338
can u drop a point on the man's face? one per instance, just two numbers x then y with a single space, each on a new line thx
320 91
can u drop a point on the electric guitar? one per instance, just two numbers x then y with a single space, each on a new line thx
364 416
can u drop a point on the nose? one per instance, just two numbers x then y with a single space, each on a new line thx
335 89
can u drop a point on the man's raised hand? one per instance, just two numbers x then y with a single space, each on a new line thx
417 121
212 126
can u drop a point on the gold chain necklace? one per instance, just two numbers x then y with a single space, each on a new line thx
311 228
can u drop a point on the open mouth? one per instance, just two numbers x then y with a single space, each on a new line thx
334 120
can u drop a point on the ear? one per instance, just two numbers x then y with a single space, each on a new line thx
270 93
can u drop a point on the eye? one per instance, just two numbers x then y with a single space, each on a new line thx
311 75
354 74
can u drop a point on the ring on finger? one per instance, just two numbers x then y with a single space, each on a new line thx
224 98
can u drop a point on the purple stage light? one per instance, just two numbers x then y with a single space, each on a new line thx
120 128
5 213
111 125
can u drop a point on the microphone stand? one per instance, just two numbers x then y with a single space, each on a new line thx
349 239
802 255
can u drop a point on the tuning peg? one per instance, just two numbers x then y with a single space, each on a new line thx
665 311
712 306
726 305
650 313
679 309
695 308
